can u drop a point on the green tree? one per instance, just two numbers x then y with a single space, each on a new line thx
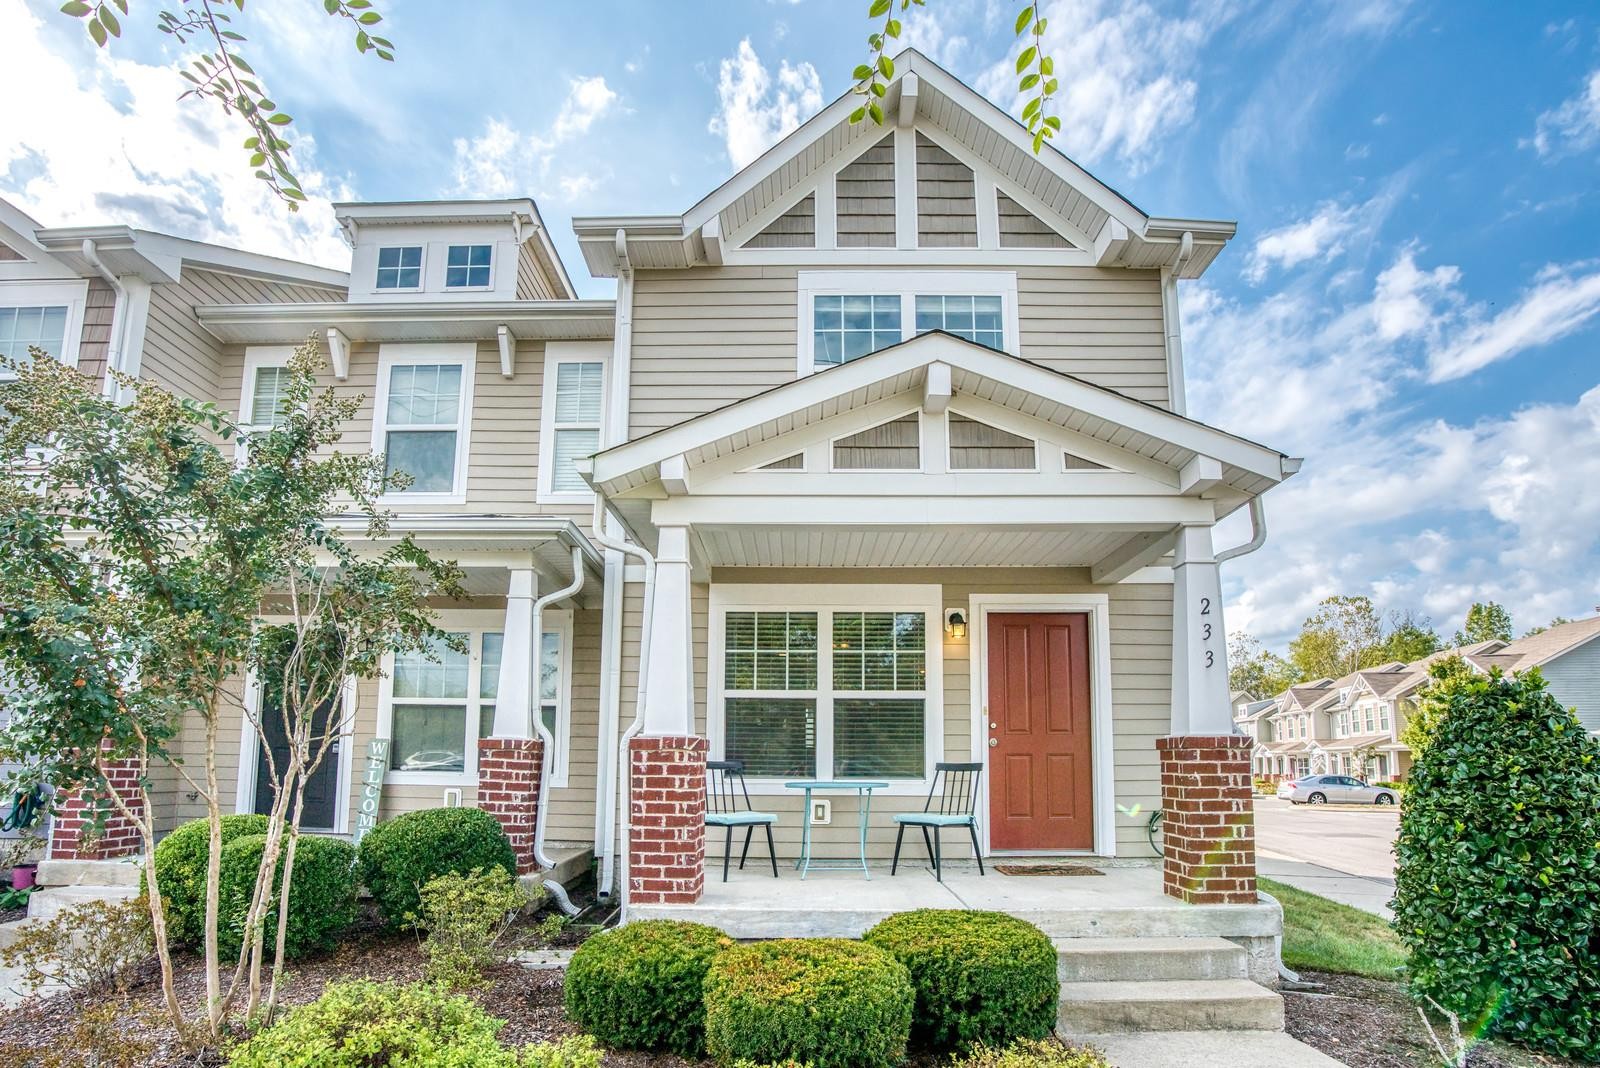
1410 638
1343 634
1497 878
1257 670
140 560
1487 621
1556 622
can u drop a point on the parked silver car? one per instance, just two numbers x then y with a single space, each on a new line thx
1338 789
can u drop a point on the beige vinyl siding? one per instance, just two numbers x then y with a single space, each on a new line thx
864 199
178 353
1575 681
1141 667
1100 324
1020 228
795 228
532 284
947 206
707 336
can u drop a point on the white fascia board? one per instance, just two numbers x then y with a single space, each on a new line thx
1043 513
909 355
285 323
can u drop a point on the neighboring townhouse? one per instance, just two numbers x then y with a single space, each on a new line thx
1251 719
1291 728
888 442
1567 655
1364 726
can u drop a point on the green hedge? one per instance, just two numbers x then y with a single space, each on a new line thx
322 894
181 870
1033 1053
639 986
825 1002
980 977
398 858
1497 881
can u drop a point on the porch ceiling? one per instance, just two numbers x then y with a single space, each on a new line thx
731 546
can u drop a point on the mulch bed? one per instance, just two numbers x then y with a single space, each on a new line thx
1368 1023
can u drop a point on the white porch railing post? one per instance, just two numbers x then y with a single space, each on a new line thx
511 759
669 699
513 706
1199 640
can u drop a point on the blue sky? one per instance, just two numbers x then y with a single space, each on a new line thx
1412 304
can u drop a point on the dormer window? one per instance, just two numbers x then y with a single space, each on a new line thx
399 267
467 266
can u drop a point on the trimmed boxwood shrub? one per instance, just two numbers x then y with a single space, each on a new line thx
359 1024
322 894
398 858
1033 1053
639 986
980 977
825 1002
181 869
1497 884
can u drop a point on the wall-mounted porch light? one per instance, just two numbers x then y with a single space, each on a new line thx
955 623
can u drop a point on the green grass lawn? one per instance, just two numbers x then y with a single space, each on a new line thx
1326 936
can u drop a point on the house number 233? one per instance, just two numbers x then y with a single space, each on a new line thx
1205 631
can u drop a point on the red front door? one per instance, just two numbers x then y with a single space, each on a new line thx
1040 790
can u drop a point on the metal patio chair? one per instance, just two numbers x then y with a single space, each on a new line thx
955 786
724 790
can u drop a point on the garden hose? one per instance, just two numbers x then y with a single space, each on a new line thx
26 808
1151 827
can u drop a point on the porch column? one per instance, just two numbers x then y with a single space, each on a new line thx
1208 827
511 760
667 761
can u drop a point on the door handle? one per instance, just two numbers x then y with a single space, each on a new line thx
994 726
993 742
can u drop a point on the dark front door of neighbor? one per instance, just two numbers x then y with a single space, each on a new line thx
323 786
1040 791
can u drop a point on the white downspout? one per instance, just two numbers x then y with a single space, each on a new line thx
1169 309
1258 533
542 806
119 320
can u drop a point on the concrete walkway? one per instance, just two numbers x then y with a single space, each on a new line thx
1367 893
1189 1049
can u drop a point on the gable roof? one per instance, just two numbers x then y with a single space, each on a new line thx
922 92
976 370
1552 642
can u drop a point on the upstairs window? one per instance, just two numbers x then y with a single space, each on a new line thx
976 318
37 326
467 266
846 327
423 427
267 391
400 267
575 422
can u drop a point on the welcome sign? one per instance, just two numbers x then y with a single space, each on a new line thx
372 786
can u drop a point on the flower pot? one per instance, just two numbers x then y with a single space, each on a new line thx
22 876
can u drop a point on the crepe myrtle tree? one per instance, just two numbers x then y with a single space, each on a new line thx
141 561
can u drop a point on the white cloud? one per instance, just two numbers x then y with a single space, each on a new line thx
108 141
503 161
1574 126
577 186
1406 299
1561 301
1320 237
754 112
1127 75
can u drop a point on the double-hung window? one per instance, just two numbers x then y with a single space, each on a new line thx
832 692
424 407
441 700
846 315
574 405
43 316
467 266
399 267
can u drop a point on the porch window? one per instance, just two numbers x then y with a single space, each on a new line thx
855 708
423 425
847 326
976 318
552 691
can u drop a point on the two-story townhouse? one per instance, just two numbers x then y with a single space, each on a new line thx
880 460
1567 655
1293 728
1364 727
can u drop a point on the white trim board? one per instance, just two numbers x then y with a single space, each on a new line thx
1102 749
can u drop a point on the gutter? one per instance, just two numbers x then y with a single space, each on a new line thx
119 321
1258 533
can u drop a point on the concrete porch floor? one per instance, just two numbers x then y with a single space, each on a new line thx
1125 901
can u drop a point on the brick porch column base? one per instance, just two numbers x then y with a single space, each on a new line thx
667 844
1208 834
508 789
72 830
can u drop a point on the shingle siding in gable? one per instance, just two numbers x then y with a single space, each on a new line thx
9 254
864 199
94 343
947 207
795 228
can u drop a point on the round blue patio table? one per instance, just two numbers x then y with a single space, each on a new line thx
863 789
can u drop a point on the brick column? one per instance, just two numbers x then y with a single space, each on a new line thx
508 789
667 840
1208 835
72 831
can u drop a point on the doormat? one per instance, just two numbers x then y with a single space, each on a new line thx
1046 869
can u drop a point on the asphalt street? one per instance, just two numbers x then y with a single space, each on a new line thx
1343 852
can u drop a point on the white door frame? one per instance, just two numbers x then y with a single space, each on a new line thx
1097 606
250 753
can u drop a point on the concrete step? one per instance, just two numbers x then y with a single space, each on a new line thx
1085 960
52 900
123 872
1168 1005
1185 1049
